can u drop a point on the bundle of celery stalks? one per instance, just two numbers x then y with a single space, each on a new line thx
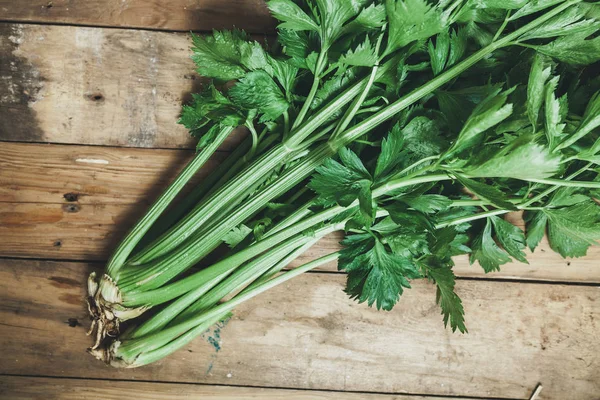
412 126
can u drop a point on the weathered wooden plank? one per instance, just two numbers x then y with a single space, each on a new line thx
76 202
31 388
90 175
308 334
99 86
91 231
175 15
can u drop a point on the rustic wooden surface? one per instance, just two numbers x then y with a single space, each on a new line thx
88 138
113 87
26 388
175 15
76 202
307 334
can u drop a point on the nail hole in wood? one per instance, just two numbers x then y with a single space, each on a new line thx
57 243
73 322
71 208
96 97
71 196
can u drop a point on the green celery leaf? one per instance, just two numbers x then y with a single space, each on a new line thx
422 137
533 6
208 111
458 105
369 18
258 91
554 111
291 16
446 297
458 46
488 113
285 73
332 87
412 20
570 21
375 275
253 56
403 240
486 192
521 159
439 52
334 14
535 227
236 235
573 49
487 252
540 72
572 230
295 43
427 203
449 242
389 156
591 121
218 56
568 196
402 216
510 237
363 55
449 48
344 182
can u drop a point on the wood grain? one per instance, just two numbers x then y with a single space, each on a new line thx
76 202
90 175
308 334
98 86
175 15
33 388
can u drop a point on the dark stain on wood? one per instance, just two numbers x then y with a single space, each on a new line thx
63 283
73 299
73 322
20 87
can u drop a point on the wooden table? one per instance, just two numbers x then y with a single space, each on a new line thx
89 95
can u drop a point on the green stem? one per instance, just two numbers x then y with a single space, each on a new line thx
131 349
366 125
357 103
148 357
559 182
250 127
143 225
522 206
313 90
160 295
209 184
201 213
275 260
